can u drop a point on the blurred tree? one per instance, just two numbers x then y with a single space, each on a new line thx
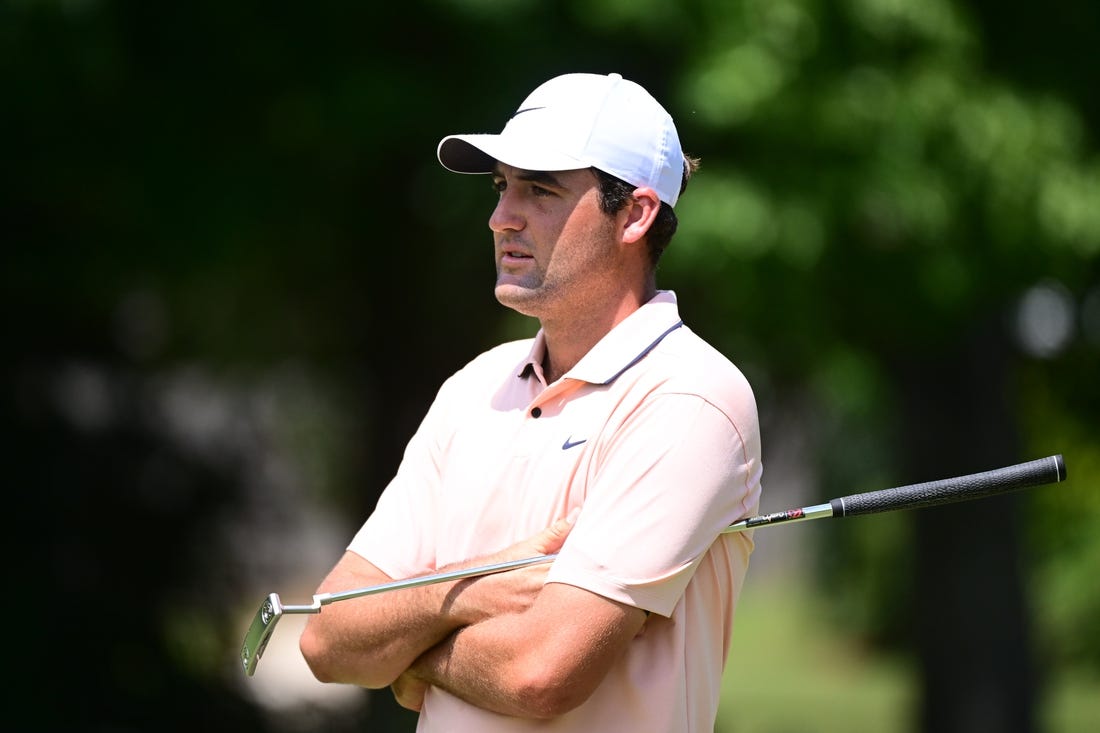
203 198
886 205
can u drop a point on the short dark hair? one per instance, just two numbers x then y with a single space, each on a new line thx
616 193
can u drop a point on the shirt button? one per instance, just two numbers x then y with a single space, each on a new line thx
536 412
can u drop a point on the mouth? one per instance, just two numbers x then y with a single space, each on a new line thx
510 254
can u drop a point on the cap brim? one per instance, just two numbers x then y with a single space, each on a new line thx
481 153
458 154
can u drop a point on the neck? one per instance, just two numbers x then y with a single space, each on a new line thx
569 339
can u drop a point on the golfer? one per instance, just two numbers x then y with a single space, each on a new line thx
616 437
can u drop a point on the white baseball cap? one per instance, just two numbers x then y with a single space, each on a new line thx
579 121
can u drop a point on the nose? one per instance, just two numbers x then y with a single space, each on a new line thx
506 215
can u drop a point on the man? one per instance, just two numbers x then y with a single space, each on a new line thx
616 437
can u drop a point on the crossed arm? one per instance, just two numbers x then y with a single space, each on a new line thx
505 642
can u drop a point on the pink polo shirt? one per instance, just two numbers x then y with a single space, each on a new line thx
654 435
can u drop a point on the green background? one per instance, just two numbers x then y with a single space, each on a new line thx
234 274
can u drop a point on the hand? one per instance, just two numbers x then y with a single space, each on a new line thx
546 542
513 591
409 691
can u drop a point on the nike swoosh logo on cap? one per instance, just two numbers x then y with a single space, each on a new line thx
525 109
567 444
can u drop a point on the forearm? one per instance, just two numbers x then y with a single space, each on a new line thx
537 664
369 641
484 665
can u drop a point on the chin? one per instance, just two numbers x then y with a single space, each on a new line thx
520 299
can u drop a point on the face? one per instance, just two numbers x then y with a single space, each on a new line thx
556 251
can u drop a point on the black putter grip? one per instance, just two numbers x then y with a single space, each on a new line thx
946 491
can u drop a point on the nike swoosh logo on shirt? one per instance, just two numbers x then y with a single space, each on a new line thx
567 444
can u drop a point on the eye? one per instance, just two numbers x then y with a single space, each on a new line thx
537 190
499 185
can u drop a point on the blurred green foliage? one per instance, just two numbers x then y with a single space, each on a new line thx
237 205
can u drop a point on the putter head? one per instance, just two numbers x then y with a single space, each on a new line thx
259 632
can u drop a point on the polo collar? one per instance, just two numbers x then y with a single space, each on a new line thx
622 347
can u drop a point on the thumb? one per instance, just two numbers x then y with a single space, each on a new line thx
554 535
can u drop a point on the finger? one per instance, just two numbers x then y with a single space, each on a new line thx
408 693
552 538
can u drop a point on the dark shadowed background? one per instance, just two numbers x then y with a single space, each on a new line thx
234 275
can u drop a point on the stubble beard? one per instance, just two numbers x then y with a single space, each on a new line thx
528 298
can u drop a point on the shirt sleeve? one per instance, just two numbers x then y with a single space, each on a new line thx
668 481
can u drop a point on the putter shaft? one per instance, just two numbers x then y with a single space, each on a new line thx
1051 469
272 608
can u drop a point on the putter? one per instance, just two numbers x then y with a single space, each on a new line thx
272 609
1051 469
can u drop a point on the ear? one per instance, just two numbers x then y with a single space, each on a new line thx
640 214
